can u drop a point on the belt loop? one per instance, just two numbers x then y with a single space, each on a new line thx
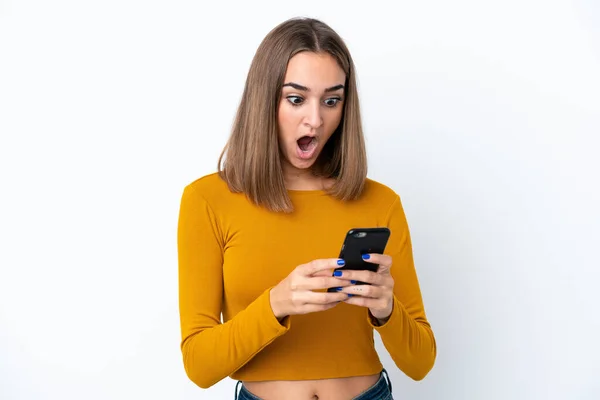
387 378
236 394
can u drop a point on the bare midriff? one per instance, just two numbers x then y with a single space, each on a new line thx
329 389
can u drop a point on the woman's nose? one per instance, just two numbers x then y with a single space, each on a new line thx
314 117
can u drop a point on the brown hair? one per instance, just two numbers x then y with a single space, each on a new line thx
251 160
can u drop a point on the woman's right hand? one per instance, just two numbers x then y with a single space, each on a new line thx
295 294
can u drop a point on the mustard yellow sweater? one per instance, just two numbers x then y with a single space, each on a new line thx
231 253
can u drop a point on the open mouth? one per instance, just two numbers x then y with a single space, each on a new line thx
306 146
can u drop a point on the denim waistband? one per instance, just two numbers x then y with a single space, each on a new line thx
382 390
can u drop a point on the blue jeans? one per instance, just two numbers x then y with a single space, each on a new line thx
382 390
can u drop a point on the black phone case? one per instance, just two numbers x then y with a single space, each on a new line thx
361 241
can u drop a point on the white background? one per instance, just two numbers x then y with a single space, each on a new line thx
483 115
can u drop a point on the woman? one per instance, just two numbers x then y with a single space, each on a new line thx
257 241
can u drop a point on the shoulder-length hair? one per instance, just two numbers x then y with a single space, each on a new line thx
251 160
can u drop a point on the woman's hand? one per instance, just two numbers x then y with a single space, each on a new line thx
379 295
295 294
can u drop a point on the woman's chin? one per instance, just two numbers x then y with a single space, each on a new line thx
302 165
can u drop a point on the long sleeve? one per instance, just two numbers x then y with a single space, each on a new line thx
213 350
407 334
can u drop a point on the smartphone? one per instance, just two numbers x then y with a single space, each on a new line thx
359 241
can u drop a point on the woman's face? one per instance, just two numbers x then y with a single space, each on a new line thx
310 108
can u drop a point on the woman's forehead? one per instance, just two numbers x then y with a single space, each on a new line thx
314 72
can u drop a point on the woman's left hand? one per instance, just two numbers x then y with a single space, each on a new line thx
379 295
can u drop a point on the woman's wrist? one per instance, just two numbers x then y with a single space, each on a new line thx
382 317
274 305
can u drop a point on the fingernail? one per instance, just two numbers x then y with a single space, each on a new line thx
338 289
353 282
337 273
366 256
340 262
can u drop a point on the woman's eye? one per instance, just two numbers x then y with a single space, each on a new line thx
332 102
295 100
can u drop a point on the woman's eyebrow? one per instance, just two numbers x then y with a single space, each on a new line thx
305 89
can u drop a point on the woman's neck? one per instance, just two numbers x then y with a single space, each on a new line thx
296 179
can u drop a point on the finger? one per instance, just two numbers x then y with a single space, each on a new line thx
365 302
324 282
381 259
371 277
326 272
322 298
370 291
320 265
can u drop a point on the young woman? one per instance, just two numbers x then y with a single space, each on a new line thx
257 241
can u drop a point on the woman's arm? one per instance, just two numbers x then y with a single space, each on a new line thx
406 333
213 350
